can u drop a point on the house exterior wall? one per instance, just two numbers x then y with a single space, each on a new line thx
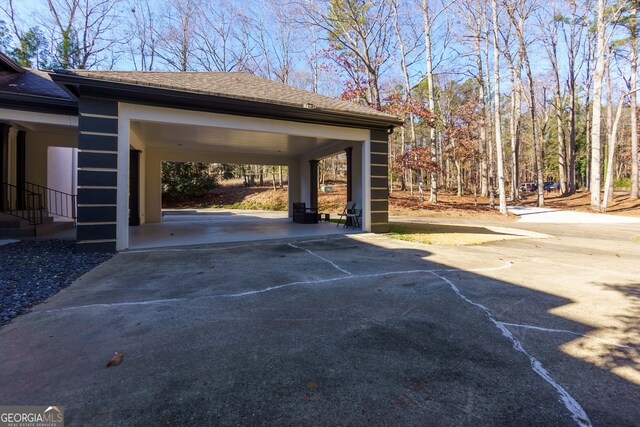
61 169
379 181
98 175
37 141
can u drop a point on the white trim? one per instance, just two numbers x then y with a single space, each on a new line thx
84 132
97 151
366 185
122 215
82 224
97 187
39 118
98 169
148 113
99 116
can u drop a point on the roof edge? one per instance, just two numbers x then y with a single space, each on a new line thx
40 104
4 59
176 98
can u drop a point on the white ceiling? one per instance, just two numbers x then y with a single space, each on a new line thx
192 137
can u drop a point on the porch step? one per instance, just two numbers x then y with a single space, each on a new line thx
9 222
46 219
11 226
16 232
53 227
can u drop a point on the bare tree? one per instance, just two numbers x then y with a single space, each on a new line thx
515 73
572 42
612 139
476 23
496 95
426 16
143 35
519 11
363 30
633 47
549 24
85 31
274 38
176 44
221 37
596 114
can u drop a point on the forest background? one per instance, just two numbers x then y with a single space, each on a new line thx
494 93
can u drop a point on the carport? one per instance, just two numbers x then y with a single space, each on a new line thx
187 227
129 122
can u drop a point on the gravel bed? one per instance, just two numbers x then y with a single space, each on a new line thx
32 271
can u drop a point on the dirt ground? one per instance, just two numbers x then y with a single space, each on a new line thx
231 194
622 203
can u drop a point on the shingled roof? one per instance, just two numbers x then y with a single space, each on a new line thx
236 85
32 83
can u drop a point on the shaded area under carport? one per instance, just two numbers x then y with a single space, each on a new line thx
183 227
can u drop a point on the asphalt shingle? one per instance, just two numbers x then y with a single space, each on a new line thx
232 85
31 82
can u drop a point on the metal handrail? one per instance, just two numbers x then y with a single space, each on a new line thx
57 203
21 203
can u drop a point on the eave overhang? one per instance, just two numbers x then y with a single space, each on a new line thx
79 86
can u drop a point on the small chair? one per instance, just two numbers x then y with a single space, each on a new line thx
354 218
349 209
304 215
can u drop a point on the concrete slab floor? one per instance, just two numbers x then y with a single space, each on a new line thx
343 330
182 227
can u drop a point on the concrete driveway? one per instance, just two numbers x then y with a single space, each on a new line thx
345 330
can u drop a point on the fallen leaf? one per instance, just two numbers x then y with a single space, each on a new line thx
312 385
115 360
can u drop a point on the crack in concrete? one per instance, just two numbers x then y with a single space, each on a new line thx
260 291
574 408
322 258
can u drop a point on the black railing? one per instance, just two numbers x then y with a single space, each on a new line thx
56 202
21 203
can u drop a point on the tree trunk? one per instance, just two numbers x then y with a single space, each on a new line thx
571 51
459 177
572 130
596 123
433 196
483 129
519 26
612 140
634 106
514 123
608 192
496 96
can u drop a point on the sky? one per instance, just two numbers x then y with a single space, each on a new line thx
455 64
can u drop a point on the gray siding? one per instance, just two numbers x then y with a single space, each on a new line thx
97 174
379 182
